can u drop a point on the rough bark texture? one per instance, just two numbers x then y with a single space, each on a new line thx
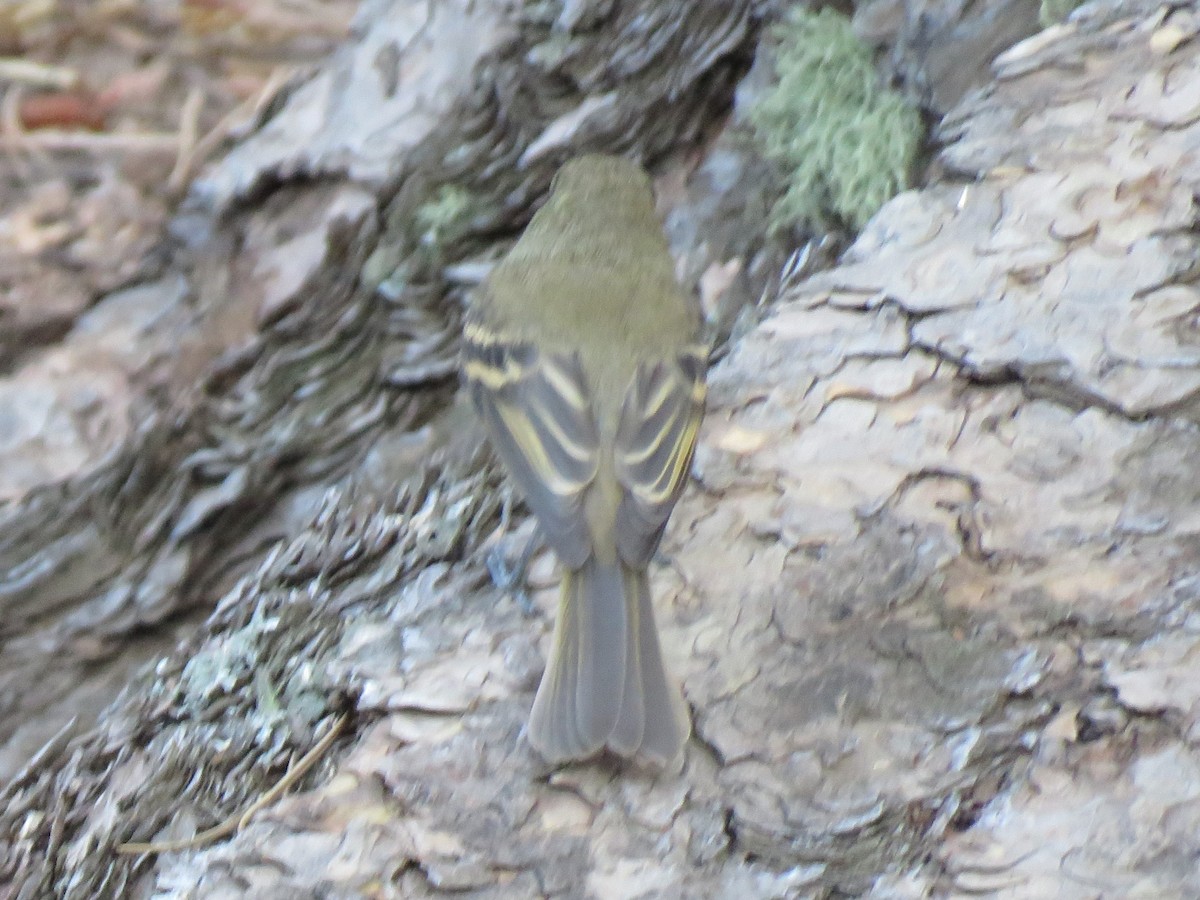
934 600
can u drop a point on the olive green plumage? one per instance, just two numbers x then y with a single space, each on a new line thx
582 359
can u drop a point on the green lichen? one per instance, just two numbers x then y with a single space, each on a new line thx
445 217
845 142
417 251
1054 11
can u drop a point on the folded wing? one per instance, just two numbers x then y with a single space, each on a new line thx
536 409
655 441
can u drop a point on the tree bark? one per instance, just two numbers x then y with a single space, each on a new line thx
933 597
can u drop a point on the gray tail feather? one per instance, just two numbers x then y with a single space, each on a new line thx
667 721
605 684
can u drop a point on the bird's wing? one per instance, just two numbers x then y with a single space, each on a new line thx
536 410
656 437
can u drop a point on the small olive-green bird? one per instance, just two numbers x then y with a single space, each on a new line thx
582 358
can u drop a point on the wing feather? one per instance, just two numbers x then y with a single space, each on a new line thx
535 408
656 438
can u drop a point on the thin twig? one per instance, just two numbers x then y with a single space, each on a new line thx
37 74
189 129
90 141
12 132
237 823
247 110
10 112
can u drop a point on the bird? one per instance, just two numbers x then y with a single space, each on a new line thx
582 355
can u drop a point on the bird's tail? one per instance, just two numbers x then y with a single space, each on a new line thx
605 684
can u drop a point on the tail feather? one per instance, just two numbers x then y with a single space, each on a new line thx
605 684
630 727
552 726
667 721
603 621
